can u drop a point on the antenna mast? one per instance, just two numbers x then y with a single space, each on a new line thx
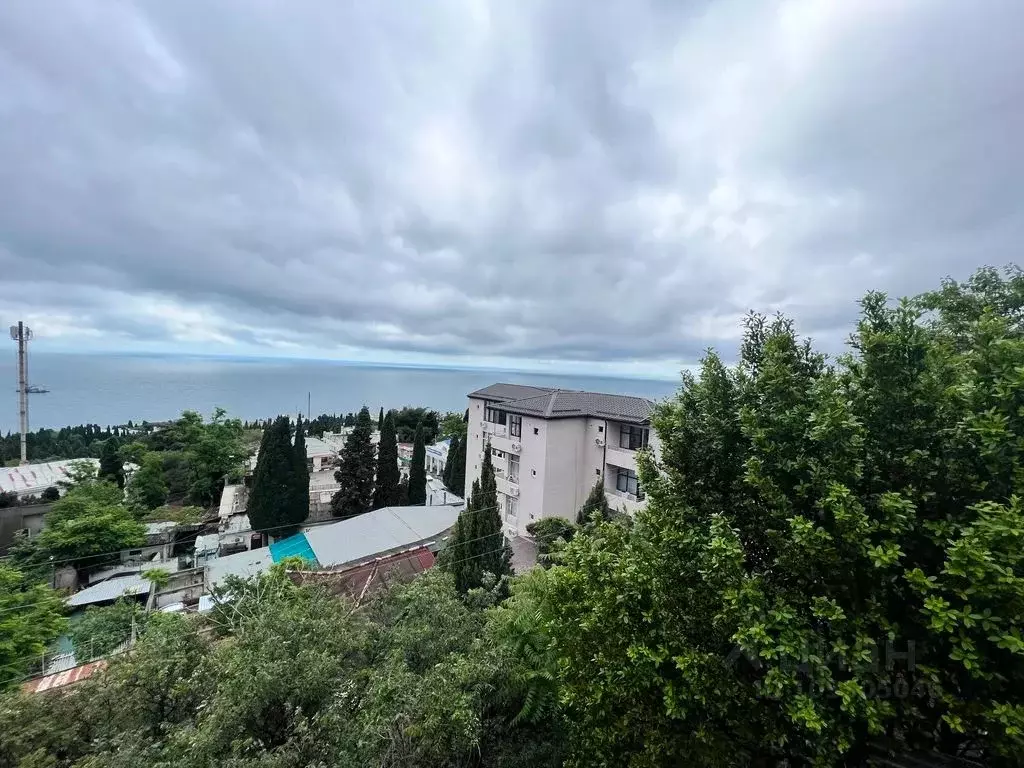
21 333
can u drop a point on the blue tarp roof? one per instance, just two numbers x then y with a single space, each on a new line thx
293 546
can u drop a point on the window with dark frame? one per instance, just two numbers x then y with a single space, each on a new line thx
493 414
632 437
626 481
515 425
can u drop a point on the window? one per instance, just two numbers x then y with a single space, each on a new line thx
511 509
597 470
513 468
492 414
627 482
515 426
600 428
536 430
632 438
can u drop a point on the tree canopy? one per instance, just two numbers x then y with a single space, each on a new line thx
408 418
386 491
31 617
418 470
355 475
279 499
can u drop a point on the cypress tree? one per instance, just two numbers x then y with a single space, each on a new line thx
418 469
477 545
386 493
111 466
455 467
271 500
300 475
449 464
356 473
597 501
380 420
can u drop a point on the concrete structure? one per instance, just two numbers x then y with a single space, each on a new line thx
320 456
549 447
21 520
437 456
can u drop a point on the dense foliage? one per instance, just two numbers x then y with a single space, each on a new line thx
386 491
80 442
30 619
355 475
806 523
418 469
101 629
293 677
407 419
187 460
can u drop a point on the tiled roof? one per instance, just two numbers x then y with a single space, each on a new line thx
510 392
566 403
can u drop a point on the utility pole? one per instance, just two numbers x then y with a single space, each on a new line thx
21 333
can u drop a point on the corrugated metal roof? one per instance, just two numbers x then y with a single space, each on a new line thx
111 589
293 546
31 479
380 531
61 679
243 564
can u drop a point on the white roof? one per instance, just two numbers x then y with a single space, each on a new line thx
243 564
317 447
31 479
382 530
228 500
111 589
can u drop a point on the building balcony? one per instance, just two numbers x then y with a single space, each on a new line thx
495 430
506 485
621 500
506 444
620 457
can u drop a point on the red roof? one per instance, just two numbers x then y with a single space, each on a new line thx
61 679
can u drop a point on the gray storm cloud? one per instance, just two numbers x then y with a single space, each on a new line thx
612 181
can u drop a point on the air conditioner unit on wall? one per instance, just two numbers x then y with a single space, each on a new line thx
517 447
599 442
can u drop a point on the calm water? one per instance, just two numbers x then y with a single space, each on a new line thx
110 389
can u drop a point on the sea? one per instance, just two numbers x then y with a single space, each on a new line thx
108 389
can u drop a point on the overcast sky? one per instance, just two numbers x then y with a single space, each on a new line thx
607 184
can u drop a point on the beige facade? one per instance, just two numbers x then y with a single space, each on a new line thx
547 462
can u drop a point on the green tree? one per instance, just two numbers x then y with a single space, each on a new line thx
101 629
386 490
355 476
550 534
418 470
802 516
272 498
452 425
449 465
477 545
111 467
596 503
408 419
148 487
300 504
50 494
380 419
31 617
87 528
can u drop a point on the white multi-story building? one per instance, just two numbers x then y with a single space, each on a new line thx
550 446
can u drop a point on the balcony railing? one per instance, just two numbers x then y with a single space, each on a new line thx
498 430
624 495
